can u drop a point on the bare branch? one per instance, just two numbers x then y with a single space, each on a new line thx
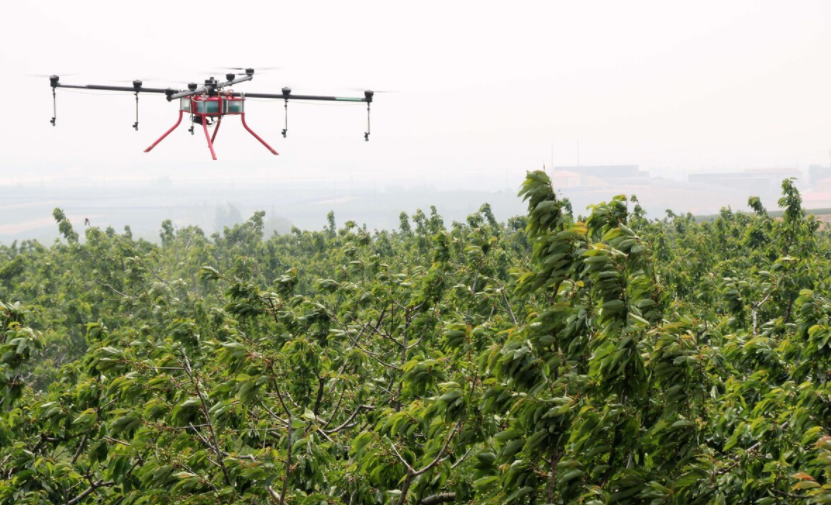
461 460
441 452
438 498
415 343
207 415
288 438
409 468
351 417
114 290
272 414
80 447
510 310
373 355
91 489
336 409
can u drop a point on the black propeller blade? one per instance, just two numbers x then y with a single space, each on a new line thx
256 69
375 90
49 75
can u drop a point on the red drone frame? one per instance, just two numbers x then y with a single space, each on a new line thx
211 101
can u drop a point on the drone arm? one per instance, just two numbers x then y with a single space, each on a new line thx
97 87
182 94
202 89
302 97
236 81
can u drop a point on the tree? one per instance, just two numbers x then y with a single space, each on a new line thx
607 360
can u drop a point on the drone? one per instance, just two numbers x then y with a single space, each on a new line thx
208 103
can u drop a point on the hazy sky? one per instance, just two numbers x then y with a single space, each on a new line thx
486 88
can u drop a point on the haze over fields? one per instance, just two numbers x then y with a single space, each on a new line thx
485 92
25 209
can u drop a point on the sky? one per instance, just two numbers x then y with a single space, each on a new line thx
485 90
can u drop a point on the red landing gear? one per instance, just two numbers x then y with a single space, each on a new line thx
166 133
255 135
210 144
204 107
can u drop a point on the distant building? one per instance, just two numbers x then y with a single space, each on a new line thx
817 173
607 171
565 179
761 180
822 185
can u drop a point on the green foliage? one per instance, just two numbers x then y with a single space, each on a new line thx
610 359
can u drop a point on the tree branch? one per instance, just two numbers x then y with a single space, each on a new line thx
438 498
351 417
206 414
288 441
441 452
91 489
510 310
320 383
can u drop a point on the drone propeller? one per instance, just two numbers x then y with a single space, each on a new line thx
174 83
48 75
242 70
150 79
375 90
257 69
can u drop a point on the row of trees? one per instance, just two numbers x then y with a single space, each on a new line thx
552 359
